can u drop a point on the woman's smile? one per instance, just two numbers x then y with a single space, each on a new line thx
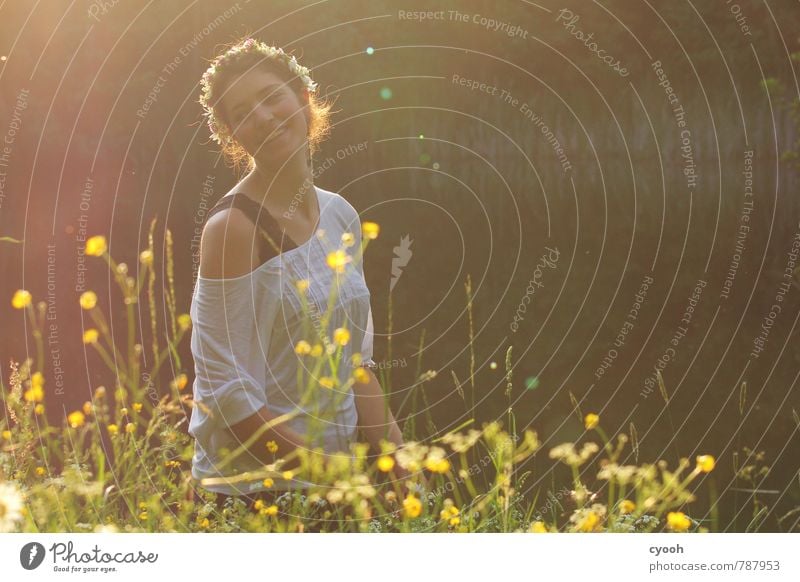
275 135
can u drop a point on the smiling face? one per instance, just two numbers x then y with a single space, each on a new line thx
266 116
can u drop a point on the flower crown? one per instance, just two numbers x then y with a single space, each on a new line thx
220 132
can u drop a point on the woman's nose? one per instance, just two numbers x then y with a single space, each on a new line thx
264 116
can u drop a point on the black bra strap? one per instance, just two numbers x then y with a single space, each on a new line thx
272 240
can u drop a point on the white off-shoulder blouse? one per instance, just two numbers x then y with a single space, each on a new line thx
244 334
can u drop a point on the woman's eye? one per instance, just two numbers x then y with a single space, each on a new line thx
267 97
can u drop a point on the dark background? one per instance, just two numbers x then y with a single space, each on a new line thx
480 194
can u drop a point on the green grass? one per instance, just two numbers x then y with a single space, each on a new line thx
122 462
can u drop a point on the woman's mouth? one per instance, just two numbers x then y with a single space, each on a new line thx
275 135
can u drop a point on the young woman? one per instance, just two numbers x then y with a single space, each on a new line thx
261 300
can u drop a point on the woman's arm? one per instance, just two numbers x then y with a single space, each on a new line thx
374 416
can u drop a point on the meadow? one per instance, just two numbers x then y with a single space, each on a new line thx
121 462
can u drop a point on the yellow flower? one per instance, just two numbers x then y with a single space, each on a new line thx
184 321
348 239
288 475
258 505
626 506
268 482
337 260
341 336
706 463
96 246
113 429
538 527
87 408
361 375
180 382
450 513
21 299
435 465
35 394
39 409
40 471
146 257
272 446
204 523
677 521
137 406
88 300
36 391
316 351
370 230
385 463
589 522
90 336
272 510
7 435
130 428
124 411
302 348
591 421
327 382
412 506
76 419
302 285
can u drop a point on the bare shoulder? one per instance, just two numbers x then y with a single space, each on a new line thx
228 247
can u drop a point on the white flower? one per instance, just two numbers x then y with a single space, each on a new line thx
10 507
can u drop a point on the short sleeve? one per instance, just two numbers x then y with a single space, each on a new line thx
229 352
